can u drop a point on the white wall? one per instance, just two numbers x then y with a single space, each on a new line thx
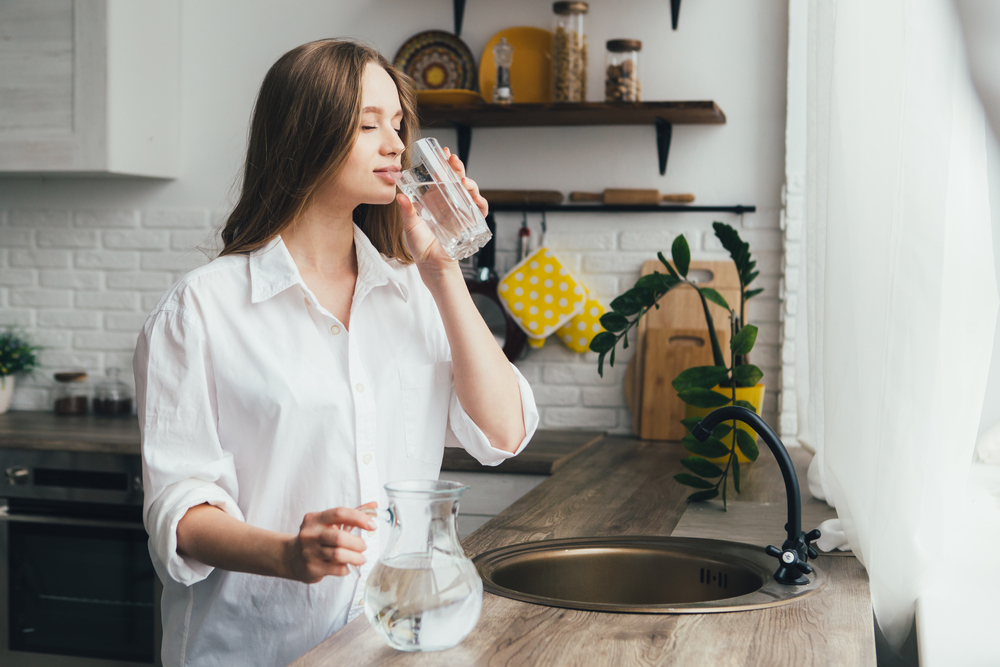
83 260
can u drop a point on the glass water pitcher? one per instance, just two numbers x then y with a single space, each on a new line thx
424 594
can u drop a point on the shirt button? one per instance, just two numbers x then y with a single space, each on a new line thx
360 601
368 458
360 387
335 330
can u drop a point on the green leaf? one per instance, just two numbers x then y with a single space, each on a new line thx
627 303
750 277
736 473
681 254
746 404
613 321
701 467
645 295
670 267
743 341
747 444
704 377
721 431
747 375
714 297
691 422
703 495
692 481
659 283
600 364
710 449
603 342
703 398
751 293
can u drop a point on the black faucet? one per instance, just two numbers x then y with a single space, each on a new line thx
796 550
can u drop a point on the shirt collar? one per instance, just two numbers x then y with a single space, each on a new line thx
272 269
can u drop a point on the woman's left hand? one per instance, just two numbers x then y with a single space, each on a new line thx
424 247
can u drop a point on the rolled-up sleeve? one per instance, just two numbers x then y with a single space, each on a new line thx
469 436
183 462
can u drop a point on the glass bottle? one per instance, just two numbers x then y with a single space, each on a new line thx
503 55
71 395
112 397
424 594
621 83
569 52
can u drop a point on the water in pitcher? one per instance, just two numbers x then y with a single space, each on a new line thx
449 211
421 603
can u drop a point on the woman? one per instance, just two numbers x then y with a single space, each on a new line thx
331 348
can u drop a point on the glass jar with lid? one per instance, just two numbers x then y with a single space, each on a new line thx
71 395
569 52
621 83
112 397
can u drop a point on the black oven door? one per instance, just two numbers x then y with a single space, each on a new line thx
76 591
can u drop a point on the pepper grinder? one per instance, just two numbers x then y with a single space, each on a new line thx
503 54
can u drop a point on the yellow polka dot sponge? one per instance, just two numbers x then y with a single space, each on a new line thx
541 295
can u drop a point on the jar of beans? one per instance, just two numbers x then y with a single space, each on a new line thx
622 81
71 395
569 52
112 397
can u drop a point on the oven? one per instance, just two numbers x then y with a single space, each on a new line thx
77 586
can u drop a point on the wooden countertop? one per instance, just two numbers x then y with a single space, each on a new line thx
624 486
31 429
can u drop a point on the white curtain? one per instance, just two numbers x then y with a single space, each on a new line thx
901 292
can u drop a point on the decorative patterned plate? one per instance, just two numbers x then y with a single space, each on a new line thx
530 70
437 60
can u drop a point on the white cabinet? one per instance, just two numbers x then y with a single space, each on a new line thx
90 87
489 494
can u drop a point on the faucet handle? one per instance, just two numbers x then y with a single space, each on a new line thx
788 559
809 537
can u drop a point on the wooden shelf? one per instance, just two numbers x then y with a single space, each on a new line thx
662 115
738 209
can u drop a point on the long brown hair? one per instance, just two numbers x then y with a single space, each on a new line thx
304 125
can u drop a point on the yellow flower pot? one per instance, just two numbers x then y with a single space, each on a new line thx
752 395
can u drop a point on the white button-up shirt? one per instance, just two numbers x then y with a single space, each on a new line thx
254 398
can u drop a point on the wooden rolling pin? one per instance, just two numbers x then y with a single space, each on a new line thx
630 196
550 197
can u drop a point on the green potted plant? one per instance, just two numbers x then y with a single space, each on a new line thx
702 388
17 355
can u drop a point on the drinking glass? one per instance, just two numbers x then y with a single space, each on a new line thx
439 198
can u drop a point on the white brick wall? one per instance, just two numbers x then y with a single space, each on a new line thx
82 282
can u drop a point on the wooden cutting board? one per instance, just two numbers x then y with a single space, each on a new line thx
680 310
667 353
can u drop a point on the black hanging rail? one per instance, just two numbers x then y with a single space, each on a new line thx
739 209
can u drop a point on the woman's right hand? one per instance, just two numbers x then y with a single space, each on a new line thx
325 544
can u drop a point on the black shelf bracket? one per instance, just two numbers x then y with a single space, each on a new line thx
675 12
738 209
459 6
664 131
464 133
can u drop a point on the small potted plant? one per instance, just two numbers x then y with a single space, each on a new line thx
17 355
702 388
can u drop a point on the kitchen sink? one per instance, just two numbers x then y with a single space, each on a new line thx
640 575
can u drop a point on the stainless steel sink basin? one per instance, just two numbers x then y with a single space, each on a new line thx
643 575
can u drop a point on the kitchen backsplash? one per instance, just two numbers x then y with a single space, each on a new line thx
81 282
